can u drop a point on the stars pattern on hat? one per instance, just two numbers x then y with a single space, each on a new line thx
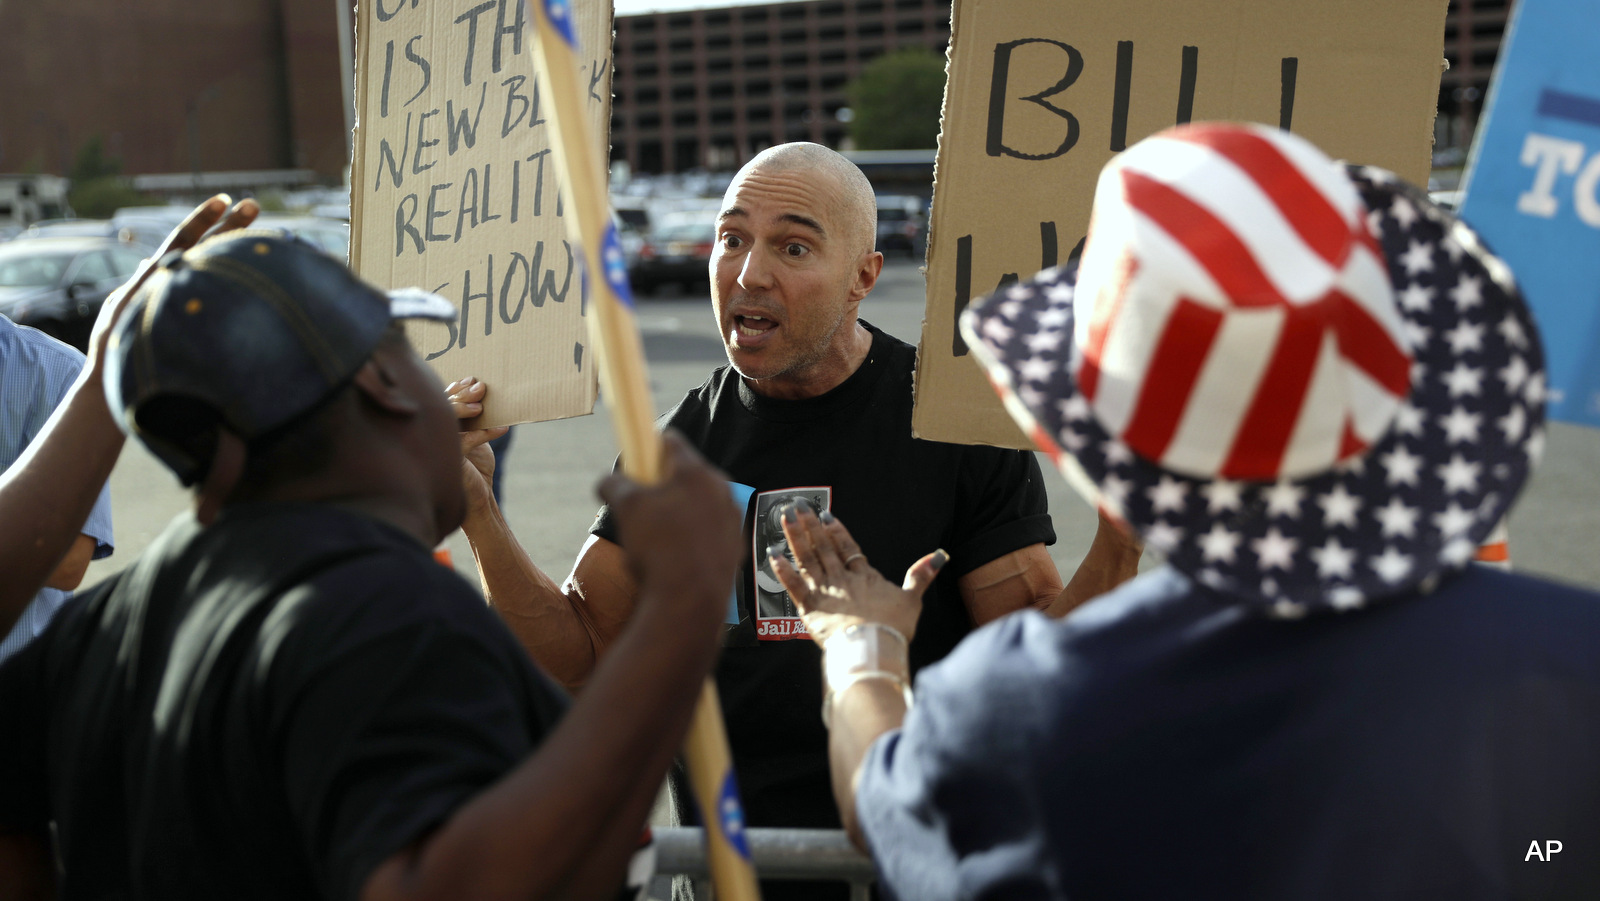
1274 550
1117 453
1334 560
1222 495
1396 519
1463 380
1454 520
1460 426
1467 293
1030 395
1408 420
1339 507
1163 536
1417 335
1403 212
1514 373
1535 392
1392 566
1168 495
1221 544
1457 552
1512 331
1459 476
1284 499
1412 507
997 330
1401 466
1417 259
1116 490
1416 298
1044 342
1464 337
1035 369
1346 597
1513 424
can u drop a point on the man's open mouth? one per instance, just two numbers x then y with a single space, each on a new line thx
751 326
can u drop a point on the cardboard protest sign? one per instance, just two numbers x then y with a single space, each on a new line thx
1533 187
1042 93
453 189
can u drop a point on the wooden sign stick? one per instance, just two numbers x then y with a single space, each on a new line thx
615 334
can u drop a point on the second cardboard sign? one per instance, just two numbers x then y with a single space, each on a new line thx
1043 92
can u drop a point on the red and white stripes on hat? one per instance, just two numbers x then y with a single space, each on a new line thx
1227 255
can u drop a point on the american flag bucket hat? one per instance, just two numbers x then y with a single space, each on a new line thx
1303 382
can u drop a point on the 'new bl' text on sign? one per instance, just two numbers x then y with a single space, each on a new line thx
455 191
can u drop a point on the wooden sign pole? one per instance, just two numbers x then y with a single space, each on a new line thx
627 392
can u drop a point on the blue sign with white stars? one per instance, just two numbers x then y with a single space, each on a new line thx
1533 187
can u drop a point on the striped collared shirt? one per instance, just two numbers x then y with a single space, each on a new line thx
35 373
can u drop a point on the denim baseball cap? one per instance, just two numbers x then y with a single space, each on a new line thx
250 330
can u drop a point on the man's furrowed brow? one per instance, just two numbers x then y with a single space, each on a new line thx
802 221
806 222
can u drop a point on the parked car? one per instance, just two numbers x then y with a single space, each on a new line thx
678 253
633 212
331 235
631 239
901 224
69 228
149 224
57 284
148 230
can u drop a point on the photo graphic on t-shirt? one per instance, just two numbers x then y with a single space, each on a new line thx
777 618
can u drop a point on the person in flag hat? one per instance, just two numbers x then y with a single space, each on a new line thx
285 696
1315 392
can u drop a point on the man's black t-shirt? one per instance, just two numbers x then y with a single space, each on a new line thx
850 451
266 708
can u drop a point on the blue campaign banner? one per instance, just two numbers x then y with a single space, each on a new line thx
1533 187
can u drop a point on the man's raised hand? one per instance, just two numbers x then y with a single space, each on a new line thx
212 217
477 465
833 584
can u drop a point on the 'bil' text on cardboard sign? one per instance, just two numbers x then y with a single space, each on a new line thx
453 189
1042 93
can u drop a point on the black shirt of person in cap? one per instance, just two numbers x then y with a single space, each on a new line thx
313 669
285 697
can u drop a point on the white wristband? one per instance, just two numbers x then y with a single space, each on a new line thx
859 652
863 646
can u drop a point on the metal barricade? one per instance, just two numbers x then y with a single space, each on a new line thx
823 854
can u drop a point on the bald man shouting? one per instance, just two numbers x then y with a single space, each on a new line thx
813 409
